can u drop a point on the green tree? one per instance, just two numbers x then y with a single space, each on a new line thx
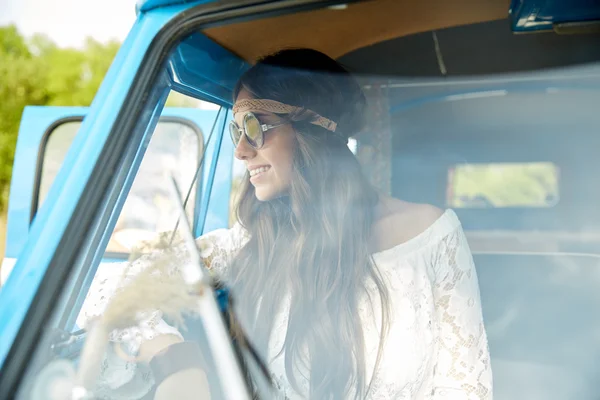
38 72
22 82
73 76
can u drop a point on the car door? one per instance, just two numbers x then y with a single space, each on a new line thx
179 144
97 176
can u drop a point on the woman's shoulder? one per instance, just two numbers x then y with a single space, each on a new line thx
416 217
399 222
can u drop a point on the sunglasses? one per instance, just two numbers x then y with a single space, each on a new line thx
251 129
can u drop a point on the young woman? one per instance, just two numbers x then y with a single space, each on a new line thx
346 293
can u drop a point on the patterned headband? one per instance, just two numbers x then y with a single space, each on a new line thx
280 108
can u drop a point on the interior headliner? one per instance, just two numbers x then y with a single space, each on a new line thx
339 31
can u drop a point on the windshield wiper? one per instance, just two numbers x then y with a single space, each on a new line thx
252 363
228 353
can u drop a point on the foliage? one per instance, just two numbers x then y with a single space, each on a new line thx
37 72
505 185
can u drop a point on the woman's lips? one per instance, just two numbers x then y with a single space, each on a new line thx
257 173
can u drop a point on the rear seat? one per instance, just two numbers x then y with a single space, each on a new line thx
542 325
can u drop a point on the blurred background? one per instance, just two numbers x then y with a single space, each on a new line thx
54 54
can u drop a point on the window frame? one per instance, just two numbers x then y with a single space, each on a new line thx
41 157
40 161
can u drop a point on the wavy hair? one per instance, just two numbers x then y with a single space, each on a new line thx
310 247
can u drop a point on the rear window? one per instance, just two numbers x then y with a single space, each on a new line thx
503 185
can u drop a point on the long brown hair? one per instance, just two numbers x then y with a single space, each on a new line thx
313 243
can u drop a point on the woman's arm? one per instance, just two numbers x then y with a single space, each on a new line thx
463 370
217 249
185 383
190 383
124 373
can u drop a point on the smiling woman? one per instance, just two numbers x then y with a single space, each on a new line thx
334 277
333 216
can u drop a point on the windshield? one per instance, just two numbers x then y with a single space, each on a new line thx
371 227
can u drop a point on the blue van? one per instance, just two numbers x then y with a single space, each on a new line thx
487 108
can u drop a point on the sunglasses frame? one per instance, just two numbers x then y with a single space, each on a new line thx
263 128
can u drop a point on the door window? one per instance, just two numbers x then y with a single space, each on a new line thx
174 148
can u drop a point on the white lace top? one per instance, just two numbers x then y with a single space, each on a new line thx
436 347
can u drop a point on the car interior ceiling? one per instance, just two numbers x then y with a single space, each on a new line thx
484 48
396 39
338 31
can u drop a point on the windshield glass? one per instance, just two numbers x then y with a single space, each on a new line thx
370 231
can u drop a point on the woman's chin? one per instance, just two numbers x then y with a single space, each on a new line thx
266 193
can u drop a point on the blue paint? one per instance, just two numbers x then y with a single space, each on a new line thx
541 15
50 223
217 204
147 5
200 67
211 157
34 124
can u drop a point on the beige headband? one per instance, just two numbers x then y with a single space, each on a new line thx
280 108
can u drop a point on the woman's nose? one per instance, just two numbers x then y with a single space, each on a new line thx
243 150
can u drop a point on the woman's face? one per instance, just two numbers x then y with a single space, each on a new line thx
270 167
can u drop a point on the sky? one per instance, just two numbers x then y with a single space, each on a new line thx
69 22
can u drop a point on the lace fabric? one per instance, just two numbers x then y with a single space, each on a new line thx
121 379
436 348
463 369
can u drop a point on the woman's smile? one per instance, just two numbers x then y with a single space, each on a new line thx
257 173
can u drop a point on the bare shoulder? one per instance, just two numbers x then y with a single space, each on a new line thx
398 221
415 217
424 215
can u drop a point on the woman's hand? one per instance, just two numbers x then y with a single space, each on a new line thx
186 384
190 383
152 347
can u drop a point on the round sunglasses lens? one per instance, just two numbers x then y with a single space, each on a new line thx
253 130
234 132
